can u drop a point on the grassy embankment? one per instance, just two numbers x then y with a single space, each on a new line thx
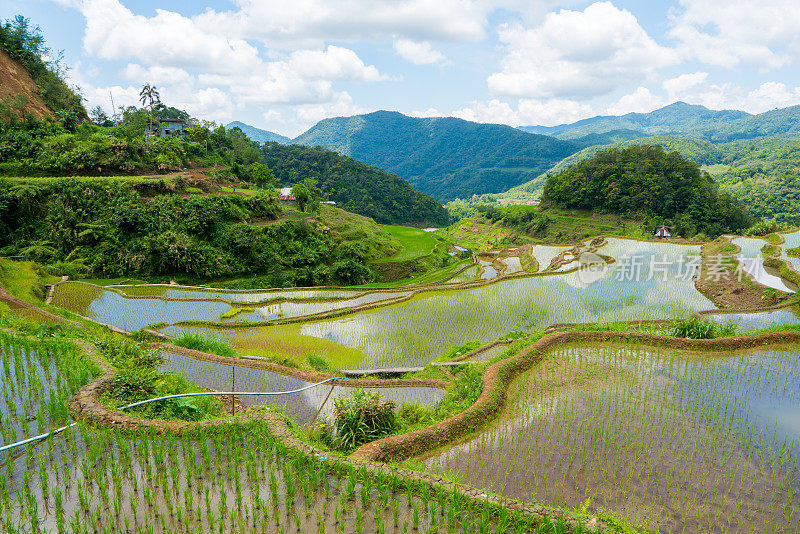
421 258
563 227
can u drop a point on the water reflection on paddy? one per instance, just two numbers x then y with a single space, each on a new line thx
300 406
752 262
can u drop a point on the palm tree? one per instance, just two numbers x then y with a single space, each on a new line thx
149 96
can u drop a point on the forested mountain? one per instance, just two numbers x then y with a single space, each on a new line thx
677 118
785 121
442 156
257 134
354 186
647 180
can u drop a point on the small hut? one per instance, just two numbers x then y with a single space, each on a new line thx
663 231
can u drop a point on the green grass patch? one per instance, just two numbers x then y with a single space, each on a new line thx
414 243
25 280
205 343
233 312
697 328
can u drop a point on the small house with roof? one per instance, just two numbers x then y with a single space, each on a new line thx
167 128
286 196
663 231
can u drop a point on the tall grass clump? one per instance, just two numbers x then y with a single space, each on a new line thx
463 392
697 328
361 417
205 343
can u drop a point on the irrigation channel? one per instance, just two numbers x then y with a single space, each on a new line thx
671 440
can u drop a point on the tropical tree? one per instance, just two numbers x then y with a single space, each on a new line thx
149 96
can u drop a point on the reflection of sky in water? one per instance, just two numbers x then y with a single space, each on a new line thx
749 322
300 406
296 309
761 389
424 327
545 254
133 314
792 241
753 263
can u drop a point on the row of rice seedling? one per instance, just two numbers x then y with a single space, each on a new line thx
671 441
37 379
238 480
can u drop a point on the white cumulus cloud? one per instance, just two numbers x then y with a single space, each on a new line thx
639 101
730 33
418 53
528 112
577 54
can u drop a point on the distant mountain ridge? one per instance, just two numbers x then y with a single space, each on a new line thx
678 119
259 135
441 156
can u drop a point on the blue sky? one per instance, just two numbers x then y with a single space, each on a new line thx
285 65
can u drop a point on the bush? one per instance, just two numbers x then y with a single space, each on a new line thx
766 226
697 328
361 417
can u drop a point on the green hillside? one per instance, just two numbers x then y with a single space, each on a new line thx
647 180
354 186
444 157
770 123
257 134
762 172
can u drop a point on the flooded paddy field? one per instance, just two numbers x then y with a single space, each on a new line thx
752 321
647 281
110 307
671 441
243 480
301 407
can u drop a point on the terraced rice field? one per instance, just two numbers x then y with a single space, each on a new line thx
672 441
648 281
239 478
